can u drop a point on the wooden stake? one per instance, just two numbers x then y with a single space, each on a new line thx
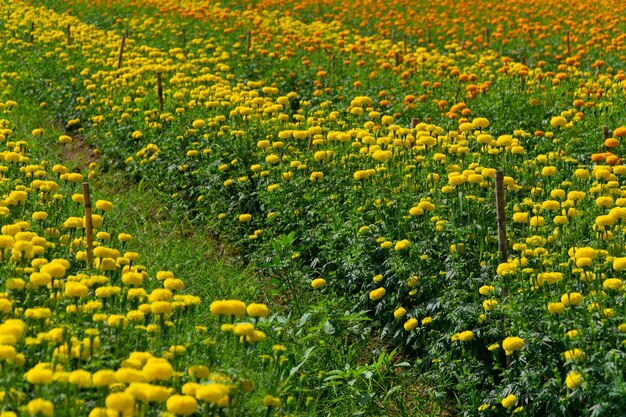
486 36
404 42
500 215
248 42
68 33
414 122
569 50
605 132
160 91
121 52
88 224
32 32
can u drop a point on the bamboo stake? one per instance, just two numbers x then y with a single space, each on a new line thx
404 42
160 91
121 52
500 215
88 224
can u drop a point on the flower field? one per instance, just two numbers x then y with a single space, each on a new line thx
348 151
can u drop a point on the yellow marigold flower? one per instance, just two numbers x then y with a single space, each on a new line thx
574 379
161 307
182 405
120 402
613 283
537 221
40 215
198 371
480 122
80 378
244 218
466 336
387 120
402 244
318 283
605 220
190 388
228 308
13 327
104 205
509 401
572 299
212 393
604 201
558 121
272 159
7 352
512 344
39 375
39 406
410 324
382 156
257 310
549 277
399 312
377 294
322 156
316 176
198 124
124 237
486 289
490 305
619 264
574 354
132 278
572 334
244 329
271 402
158 369
386 245
427 320
550 205
416 211
103 377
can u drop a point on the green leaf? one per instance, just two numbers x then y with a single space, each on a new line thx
329 328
